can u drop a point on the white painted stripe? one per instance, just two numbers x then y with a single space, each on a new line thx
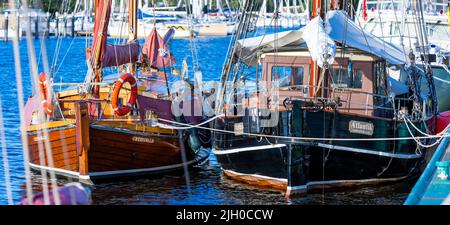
129 105
371 152
134 85
255 175
117 108
120 80
57 170
441 80
43 101
108 173
256 148
121 172
84 177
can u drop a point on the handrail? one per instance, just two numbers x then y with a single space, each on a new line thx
420 187
349 90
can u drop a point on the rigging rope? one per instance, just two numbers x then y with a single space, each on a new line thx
184 125
42 147
5 158
20 100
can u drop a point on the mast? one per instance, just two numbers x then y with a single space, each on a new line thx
99 41
132 19
424 45
315 11
132 26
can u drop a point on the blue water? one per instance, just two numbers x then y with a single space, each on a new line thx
207 184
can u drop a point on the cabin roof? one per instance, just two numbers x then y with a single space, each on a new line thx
355 56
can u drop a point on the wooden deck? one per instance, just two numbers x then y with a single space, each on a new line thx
429 189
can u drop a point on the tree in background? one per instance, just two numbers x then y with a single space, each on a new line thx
51 6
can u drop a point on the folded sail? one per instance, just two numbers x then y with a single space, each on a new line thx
155 52
116 55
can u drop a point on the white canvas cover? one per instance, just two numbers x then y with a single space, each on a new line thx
344 30
321 47
339 27
249 48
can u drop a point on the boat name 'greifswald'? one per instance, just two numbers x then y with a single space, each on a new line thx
143 139
39 138
359 127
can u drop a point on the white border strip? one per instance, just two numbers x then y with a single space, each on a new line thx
366 151
109 173
60 171
256 148
335 147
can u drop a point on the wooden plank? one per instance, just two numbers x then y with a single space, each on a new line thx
132 157
34 151
50 125
52 135
158 148
161 154
82 133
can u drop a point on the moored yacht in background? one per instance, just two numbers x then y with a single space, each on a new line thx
395 22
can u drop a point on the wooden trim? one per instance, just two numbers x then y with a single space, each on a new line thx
258 180
82 134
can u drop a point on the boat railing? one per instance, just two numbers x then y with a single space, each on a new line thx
353 99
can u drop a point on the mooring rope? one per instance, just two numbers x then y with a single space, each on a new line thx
418 141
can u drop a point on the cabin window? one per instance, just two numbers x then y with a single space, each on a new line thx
343 79
357 79
380 77
288 76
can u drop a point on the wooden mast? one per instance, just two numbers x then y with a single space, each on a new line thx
132 19
316 10
132 26
97 50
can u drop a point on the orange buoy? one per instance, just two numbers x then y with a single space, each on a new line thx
46 94
124 109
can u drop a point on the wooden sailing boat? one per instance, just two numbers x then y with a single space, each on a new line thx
345 123
93 135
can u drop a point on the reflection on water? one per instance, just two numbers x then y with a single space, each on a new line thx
210 186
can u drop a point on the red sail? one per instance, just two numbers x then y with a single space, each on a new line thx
109 55
102 15
156 52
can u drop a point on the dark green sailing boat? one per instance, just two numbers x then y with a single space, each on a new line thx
327 112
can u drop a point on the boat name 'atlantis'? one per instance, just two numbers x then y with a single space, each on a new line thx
359 127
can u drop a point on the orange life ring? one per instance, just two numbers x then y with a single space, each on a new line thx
45 94
124 109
